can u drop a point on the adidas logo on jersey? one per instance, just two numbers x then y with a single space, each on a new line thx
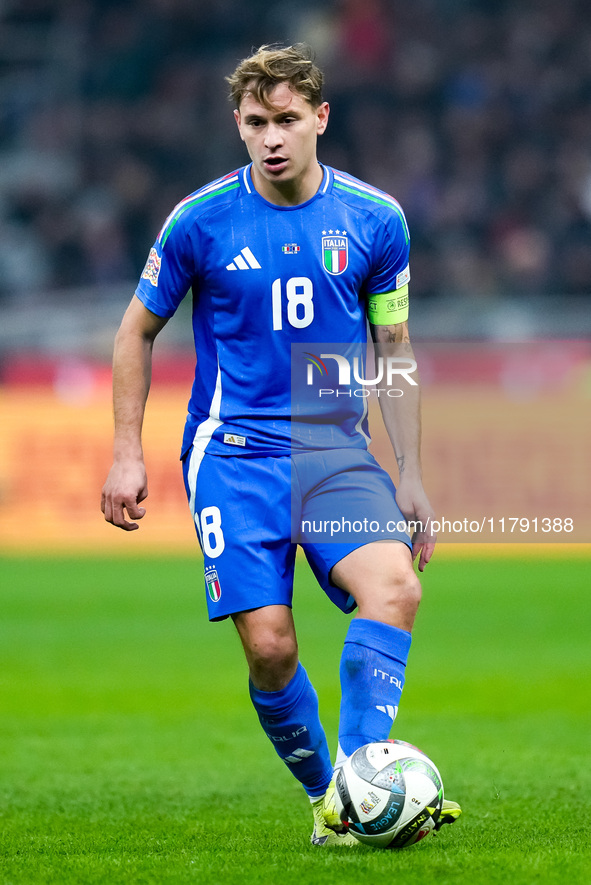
245 260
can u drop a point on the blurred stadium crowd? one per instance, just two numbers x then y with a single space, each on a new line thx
475 114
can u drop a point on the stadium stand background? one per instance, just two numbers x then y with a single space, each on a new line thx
475 114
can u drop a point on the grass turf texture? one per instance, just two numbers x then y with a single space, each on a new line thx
131 753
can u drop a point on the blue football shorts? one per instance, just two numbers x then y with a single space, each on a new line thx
252 512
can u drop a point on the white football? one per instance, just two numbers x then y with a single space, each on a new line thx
390 793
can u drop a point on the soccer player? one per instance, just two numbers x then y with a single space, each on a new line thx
280 255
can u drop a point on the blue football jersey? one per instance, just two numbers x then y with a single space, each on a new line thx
275 290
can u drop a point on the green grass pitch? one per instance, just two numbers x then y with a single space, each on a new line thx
131 754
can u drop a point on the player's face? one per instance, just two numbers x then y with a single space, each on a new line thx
281 142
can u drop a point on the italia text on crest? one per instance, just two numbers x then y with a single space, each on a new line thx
335 251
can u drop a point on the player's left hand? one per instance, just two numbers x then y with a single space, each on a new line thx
415 507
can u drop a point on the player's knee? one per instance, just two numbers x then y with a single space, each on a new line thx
396 601
402 595
272 661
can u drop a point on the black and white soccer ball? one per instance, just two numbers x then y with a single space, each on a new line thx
390 794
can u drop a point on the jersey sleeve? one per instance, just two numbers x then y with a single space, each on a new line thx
169 272
387 288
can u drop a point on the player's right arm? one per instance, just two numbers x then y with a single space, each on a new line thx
126 485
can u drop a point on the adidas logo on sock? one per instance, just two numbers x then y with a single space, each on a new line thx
298 756
245 260
389 710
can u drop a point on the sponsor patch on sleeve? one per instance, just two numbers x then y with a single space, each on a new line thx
403 277
152 269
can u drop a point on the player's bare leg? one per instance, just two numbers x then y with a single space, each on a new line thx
269 640
287 706
381 579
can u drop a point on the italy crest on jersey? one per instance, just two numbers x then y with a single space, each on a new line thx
335 252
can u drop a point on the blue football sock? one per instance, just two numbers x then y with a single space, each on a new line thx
372 676
290 719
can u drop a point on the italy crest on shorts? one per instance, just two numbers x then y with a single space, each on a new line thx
213 584
335 252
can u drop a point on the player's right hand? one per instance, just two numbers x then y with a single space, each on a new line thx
415 507
126 486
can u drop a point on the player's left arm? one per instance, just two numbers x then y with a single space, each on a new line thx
402 419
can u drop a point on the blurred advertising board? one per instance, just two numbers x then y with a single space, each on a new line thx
506 449
55 452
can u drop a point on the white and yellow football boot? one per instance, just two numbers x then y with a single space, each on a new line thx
326 836
330 815
450 812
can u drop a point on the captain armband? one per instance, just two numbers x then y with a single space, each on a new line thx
388 308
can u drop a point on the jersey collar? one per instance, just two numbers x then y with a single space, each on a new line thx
248 185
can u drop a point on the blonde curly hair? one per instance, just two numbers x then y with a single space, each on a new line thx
272 64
